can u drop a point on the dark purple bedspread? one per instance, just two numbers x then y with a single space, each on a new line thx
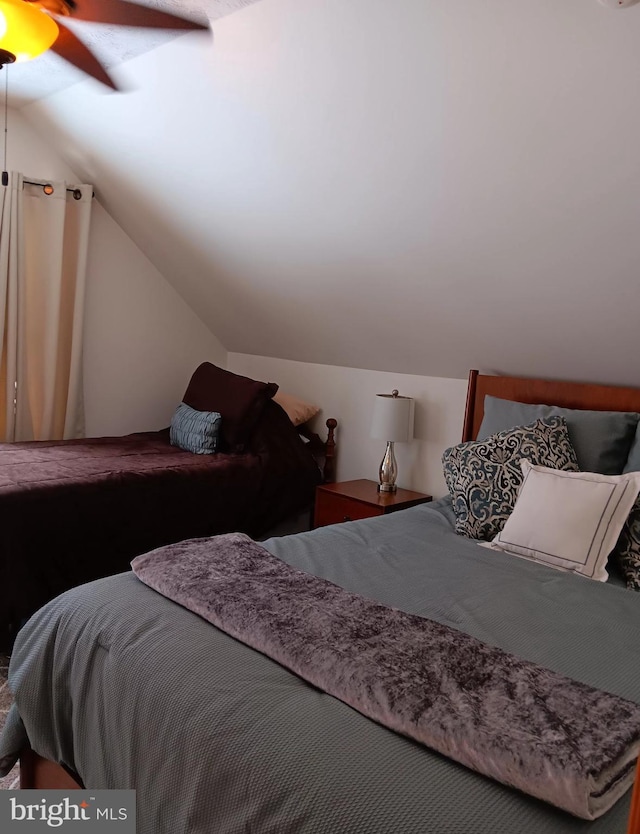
77 510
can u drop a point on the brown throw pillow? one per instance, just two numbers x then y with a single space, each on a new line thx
238 399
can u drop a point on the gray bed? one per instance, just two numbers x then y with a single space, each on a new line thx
129 690
126 689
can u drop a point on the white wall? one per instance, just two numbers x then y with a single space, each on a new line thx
348 395
142 342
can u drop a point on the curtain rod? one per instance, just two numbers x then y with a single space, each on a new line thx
77 194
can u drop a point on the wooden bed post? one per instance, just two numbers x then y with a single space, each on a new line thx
324 452
467 428
37 773
330 451
634 813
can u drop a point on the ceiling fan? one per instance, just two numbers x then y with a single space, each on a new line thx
30 27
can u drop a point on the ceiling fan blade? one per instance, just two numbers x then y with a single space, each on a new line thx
69 47
124 13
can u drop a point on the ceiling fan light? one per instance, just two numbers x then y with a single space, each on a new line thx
26 32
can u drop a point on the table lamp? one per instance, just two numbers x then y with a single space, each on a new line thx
393 422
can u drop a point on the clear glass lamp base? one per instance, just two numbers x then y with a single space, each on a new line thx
388 471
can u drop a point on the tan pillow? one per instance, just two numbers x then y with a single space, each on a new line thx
297 410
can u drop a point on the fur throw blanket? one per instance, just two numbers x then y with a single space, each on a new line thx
525 726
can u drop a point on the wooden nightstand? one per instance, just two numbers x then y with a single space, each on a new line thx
351 500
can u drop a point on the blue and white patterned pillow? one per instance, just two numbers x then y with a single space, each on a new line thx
484 476
627 552
195 431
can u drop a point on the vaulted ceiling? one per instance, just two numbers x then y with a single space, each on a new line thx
423 186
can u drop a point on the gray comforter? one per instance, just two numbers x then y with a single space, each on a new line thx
133 691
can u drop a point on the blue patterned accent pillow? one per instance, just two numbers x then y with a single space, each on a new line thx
195 431
627 552
484 476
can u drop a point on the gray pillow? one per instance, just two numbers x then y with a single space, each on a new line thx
484 476
633 461
195 431
601 439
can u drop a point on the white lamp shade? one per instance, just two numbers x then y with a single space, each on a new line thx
392 418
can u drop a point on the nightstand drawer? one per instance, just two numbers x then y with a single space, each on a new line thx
333 509
351 500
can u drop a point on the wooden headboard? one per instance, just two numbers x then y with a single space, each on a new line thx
547 392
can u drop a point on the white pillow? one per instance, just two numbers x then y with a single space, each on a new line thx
568 520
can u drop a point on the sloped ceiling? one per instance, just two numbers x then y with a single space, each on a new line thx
424 186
